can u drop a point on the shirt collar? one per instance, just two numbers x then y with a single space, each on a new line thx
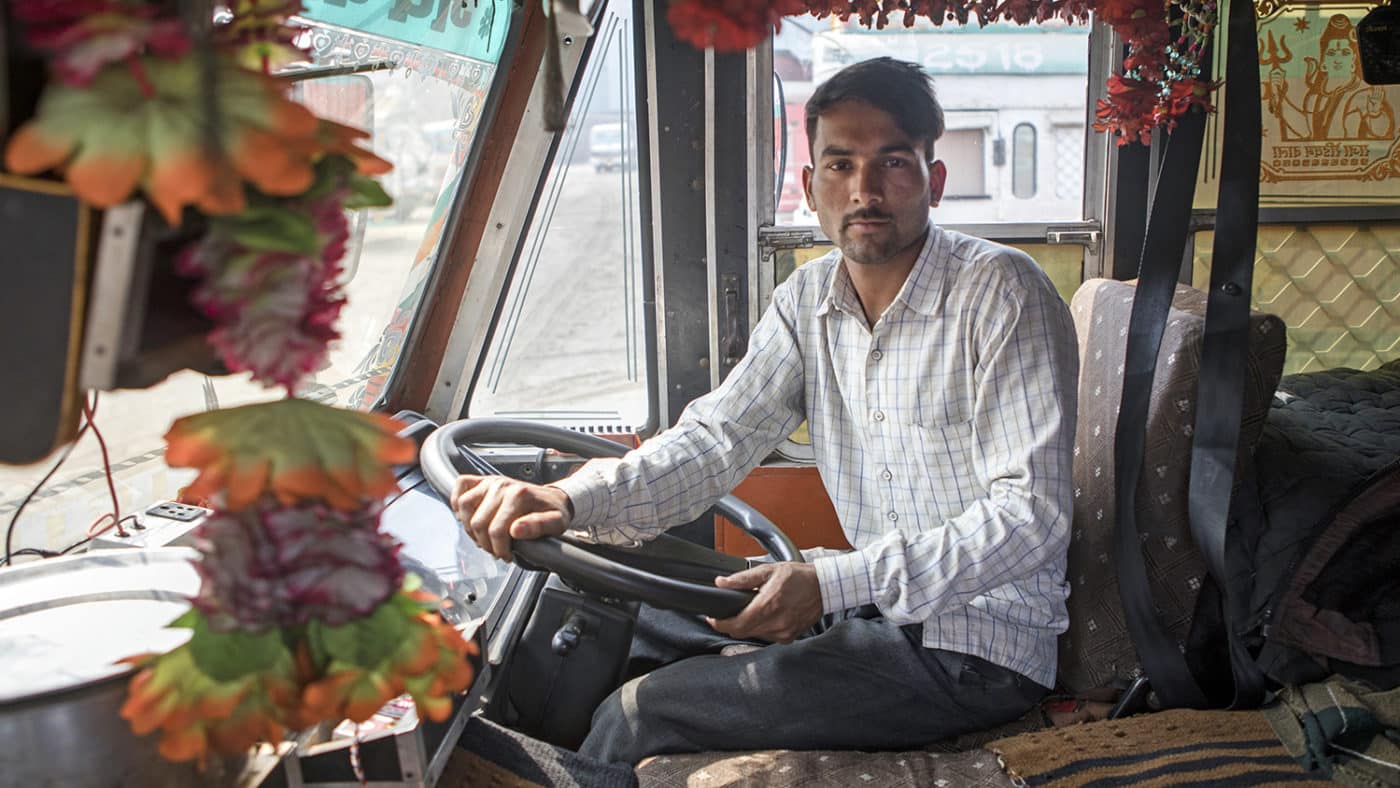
922 290
841 293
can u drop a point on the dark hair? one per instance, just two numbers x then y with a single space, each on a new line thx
896 86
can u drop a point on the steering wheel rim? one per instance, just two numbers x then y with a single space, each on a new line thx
646 573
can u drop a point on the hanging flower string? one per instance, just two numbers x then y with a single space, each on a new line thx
270 276
85 36
304 612
1161 77
260 36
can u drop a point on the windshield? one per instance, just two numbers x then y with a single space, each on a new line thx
423 114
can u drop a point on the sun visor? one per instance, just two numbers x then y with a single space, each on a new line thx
43 294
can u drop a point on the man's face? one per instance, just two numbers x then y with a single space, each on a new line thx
870 184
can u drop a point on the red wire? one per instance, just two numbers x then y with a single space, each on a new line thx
90 412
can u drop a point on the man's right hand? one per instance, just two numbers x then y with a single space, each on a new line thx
497 509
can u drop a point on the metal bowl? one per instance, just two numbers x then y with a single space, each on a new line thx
64 623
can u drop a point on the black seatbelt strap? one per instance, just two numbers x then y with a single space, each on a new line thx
1219 396
1225 346
1163 247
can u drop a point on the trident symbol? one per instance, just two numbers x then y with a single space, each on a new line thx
1275 61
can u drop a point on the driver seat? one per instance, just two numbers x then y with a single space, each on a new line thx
1096 653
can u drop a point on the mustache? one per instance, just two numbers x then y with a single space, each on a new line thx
865 214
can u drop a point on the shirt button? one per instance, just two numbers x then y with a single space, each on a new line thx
893 516
876 355
878 415
886 475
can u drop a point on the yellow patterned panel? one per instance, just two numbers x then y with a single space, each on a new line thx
1337 288
787 260
1063 262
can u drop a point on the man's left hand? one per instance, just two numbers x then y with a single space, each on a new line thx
788 603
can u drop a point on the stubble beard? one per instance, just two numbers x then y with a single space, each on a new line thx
869 251
878 251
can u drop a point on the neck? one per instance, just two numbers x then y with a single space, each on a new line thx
877 284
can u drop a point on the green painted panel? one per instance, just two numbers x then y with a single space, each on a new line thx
468 28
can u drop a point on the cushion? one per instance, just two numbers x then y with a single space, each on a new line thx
1097 650
820 769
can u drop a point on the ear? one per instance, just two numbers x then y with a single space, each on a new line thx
937 178
807 186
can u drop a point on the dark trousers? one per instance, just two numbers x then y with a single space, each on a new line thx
855 681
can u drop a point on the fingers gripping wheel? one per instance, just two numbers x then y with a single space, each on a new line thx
665 572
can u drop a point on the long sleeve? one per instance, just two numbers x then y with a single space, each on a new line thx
719 438
1019 451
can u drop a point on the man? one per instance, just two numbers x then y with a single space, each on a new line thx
937 374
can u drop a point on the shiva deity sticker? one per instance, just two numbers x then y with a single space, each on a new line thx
1329 137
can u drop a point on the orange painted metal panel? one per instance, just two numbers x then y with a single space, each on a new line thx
792 496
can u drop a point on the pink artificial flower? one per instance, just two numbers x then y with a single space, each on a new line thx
87 36
275 312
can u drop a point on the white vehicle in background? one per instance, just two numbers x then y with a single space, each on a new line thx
606 151
1014 104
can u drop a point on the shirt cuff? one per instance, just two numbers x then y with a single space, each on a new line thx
587 489
845 581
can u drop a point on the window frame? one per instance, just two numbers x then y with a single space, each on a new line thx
513 205
582 81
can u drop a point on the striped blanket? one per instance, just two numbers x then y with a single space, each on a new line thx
1180 747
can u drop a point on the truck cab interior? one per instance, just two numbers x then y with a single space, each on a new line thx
590 211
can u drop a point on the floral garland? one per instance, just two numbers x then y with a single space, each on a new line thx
304 612
1161 79
1160 82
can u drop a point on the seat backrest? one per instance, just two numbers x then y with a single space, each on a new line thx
1097 650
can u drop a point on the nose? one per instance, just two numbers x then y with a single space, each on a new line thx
866 186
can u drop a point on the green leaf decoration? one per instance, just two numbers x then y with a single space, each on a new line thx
275 230
226 656
331 173
366 642
365 192
187 620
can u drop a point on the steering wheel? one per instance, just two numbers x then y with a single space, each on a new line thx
664 572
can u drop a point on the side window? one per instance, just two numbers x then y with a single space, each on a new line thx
1023 161
568 343
1007 91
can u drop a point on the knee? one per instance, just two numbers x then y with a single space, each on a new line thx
615 734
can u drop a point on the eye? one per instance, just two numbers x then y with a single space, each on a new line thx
896 163
839 164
